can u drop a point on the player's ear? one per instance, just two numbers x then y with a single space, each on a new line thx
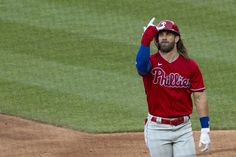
177 38
156 41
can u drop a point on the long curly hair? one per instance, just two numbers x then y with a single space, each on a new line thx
181 49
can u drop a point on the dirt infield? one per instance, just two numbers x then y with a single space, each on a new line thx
25 138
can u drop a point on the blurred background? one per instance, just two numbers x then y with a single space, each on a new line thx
71 63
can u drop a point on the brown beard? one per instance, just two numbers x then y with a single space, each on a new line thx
166 46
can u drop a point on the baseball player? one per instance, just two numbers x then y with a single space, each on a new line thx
170 77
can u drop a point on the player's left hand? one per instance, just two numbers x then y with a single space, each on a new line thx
204 139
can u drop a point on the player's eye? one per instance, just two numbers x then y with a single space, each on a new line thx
161 34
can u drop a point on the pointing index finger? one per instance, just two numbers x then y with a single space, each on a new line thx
151 21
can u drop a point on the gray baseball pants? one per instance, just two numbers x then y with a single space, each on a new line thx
164 140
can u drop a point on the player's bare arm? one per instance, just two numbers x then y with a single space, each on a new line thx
200 100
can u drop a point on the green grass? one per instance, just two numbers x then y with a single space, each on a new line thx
71 62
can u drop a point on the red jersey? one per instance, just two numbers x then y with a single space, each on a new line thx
168 86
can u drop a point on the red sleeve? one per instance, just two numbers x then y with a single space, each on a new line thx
197 83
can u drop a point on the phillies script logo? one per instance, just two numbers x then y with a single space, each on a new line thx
173 80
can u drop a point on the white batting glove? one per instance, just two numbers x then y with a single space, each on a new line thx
204 139
149 24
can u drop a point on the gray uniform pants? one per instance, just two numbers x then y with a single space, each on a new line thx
165 140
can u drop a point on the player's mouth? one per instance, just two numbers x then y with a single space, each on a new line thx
164 43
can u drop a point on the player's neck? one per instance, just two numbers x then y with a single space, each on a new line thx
170 56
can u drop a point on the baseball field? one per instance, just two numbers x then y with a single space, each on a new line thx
68 83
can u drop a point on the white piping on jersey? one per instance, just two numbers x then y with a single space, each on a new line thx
199 89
